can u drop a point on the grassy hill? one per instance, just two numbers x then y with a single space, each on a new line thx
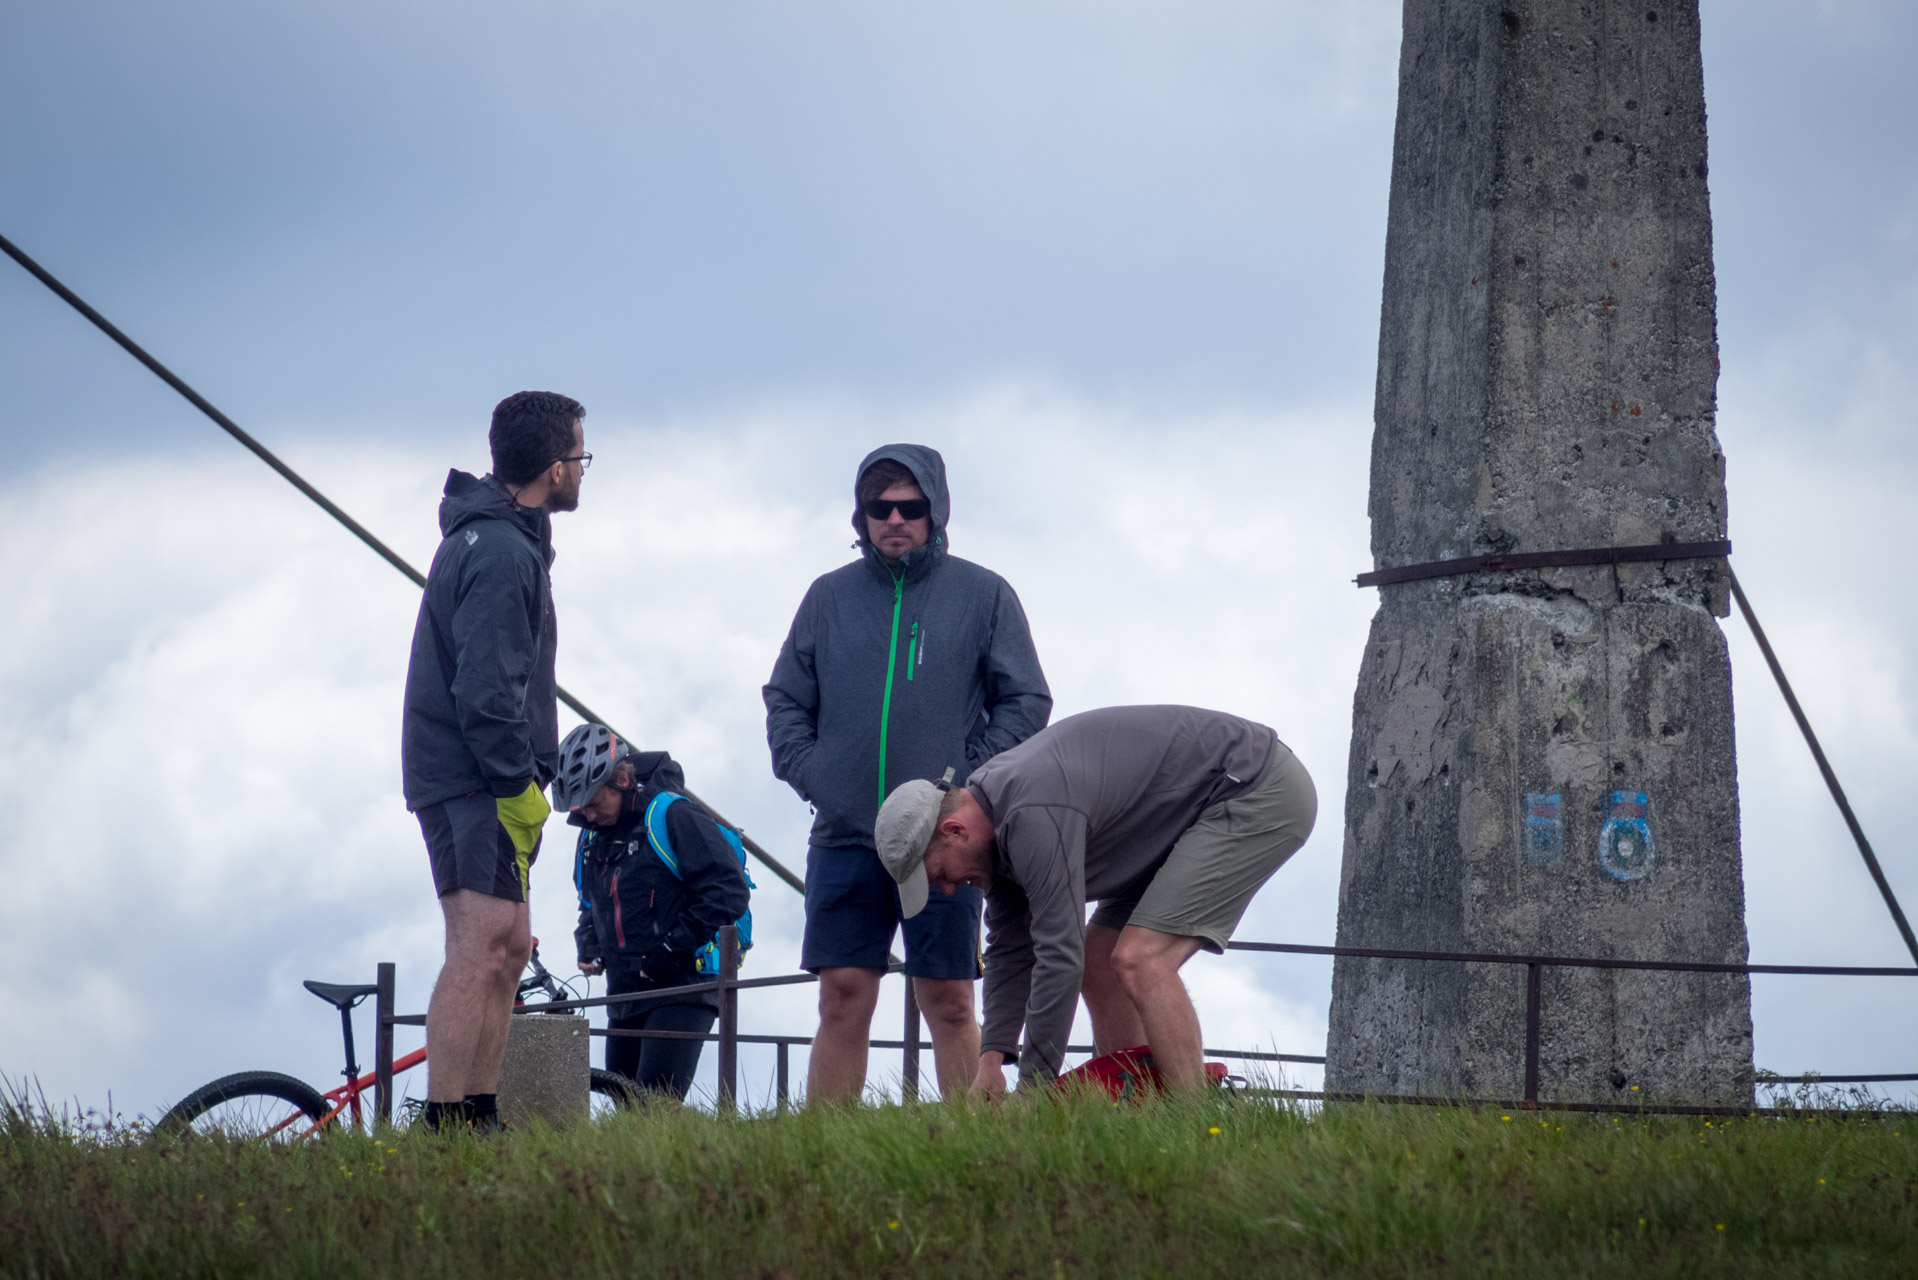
1078 1188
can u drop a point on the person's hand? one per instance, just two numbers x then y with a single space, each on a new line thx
658 964
524 817
990 1083
591 968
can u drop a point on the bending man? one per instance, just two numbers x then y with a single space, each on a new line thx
1170 818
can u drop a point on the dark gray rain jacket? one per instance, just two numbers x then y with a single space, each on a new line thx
890 674
481 698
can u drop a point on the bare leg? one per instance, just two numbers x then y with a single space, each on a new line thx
1147 964
947 1004
487 942
847 997
491 1051
1115 1019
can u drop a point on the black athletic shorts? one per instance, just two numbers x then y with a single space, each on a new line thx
469 849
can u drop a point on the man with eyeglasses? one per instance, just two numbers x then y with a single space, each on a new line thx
480 735
899 665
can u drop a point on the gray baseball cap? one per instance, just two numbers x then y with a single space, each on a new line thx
902 832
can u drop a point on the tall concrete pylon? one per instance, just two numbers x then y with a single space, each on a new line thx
1542 759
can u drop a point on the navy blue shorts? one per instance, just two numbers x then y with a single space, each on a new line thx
852 909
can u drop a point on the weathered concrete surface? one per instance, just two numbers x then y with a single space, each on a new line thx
1547 380
548 1070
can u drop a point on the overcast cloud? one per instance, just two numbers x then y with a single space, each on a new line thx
1119 261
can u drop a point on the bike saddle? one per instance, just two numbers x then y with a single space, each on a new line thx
338 995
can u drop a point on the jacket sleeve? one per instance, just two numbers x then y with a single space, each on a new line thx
1046 849
1008 967
792 702
716 892
1018 703
585 933
495 635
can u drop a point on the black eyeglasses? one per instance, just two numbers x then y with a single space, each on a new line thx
584 460
910 509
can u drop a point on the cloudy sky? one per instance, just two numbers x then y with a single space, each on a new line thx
1120 261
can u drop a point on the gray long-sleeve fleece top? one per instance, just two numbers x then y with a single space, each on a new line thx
1084 811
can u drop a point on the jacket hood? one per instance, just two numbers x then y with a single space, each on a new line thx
468 498
928 469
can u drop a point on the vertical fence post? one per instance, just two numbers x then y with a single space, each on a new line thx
784 1054
909 1083
1531 1034
383 1045
728 1017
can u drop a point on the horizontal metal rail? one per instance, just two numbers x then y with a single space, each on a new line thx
727 985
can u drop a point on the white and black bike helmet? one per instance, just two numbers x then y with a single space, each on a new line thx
586 761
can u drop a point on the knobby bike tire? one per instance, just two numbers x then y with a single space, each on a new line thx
245 1105
615 1088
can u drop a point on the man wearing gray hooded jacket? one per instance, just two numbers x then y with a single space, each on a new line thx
903 664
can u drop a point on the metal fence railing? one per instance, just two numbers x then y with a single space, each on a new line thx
729 1037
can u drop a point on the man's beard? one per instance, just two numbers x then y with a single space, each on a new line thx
563 500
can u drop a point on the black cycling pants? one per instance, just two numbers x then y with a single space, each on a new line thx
662 1066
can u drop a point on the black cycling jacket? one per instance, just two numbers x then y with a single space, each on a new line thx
482 711
630 902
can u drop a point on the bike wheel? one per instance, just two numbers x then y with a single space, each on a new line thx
250 1105
610 1093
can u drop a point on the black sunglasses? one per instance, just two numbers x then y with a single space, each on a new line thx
910 509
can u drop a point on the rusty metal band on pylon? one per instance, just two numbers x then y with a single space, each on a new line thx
1547 560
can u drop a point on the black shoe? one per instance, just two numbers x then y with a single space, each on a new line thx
482 1113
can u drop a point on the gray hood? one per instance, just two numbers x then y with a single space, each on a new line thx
929 469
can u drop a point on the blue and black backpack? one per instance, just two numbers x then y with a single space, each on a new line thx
706 959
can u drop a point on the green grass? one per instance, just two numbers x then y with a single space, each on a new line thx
1079 1188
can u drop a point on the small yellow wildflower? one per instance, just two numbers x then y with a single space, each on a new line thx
893 1225
1721 1226
1505 1117
1821 1182
1214 1131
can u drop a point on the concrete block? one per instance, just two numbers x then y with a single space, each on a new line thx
547 1070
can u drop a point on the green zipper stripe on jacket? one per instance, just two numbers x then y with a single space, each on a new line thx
892 660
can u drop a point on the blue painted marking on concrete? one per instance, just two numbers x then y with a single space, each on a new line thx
1625 847
1544 828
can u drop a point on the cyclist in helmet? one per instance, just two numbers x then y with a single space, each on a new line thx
640 923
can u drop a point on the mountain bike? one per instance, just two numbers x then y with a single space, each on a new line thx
269 1106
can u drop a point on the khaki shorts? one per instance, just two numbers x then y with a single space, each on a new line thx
1207 881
